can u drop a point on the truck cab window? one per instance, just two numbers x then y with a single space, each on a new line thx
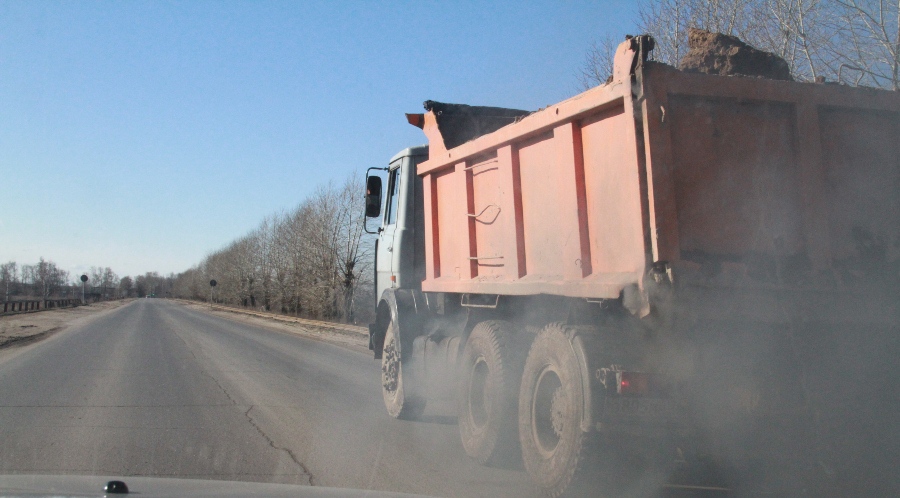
393 197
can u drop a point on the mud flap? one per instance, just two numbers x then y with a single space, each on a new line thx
373 330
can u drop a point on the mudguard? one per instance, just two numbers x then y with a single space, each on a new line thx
578 347
599 356
399 306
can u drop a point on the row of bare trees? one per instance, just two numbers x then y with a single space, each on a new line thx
46 280
854 42
39 281
150 284
103 281
314 261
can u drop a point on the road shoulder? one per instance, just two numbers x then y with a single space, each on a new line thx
349 338
24 329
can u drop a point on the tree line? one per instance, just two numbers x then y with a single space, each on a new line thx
46 280
314 261
853 42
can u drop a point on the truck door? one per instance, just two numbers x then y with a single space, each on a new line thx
385 255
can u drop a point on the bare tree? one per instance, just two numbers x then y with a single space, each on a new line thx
153 284
854 42
95 275
285 239
103 281
598 63
354 256
867 48
795 30
295 266
110 280
262 258
309 262
125 287
45 278
190 284
668 22
8 276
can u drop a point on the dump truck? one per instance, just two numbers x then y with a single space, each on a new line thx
671 262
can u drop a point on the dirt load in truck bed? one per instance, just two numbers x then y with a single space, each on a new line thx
724 55
460 123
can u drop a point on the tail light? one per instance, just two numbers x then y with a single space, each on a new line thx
634 383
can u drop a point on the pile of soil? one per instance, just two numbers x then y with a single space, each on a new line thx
724 55
459 123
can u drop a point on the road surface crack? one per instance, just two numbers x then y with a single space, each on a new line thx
262 433
279 448
205 372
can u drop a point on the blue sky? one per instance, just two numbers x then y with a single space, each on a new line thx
143 135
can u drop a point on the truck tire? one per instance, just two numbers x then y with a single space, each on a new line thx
551 410
399 402
487 401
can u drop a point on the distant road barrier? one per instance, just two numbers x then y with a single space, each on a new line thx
38 305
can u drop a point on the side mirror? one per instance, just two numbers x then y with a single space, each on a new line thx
373 196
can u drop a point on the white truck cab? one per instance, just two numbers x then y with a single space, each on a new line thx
400 245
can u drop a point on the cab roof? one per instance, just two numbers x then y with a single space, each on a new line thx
418 150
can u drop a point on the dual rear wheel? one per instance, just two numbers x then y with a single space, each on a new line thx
508 401
491 366
551 411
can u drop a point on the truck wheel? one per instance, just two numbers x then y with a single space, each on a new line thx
398 402
551 409
486 403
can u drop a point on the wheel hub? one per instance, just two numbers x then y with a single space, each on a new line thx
479 392
390 367
549 412
558 408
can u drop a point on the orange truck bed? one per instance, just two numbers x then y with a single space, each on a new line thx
741 180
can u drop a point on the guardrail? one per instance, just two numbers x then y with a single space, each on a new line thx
10 307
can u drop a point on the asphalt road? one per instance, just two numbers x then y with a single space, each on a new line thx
157 389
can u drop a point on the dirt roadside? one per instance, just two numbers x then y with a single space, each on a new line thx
27 328
352 338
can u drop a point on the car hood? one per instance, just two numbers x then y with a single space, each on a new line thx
77 485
